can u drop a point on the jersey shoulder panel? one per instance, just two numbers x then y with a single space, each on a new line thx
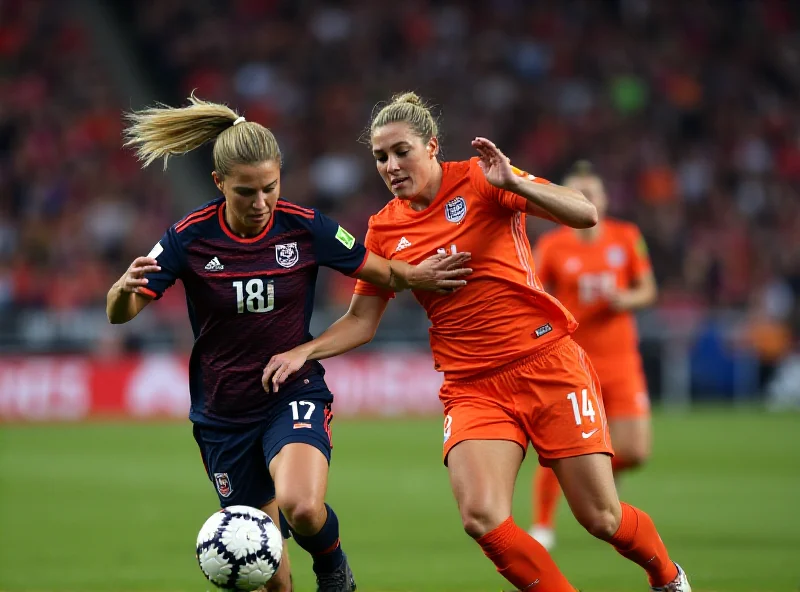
198 221
621 226
299 215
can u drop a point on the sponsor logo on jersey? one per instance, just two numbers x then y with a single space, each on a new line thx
543 330
455 209
287 255
615 256
214 265
299 425
403 243
223 484
344 237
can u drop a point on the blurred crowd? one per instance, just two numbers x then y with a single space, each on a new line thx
688 109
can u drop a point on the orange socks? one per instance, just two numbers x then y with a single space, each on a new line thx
521 560
546 495
637 539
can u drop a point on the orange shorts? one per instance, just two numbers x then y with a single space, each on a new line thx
624 389
551 399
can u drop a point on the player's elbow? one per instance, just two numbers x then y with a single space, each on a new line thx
652 295
587 215
115 318
366 331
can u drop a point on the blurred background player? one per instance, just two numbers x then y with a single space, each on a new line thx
601 274
249 262
512 374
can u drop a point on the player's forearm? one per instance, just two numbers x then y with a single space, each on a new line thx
639 297
387 274
563 204
349 332
121 306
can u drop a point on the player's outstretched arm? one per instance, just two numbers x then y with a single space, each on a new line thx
546 200
124 301
355 328
438 273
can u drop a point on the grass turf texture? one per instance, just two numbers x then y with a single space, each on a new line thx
118 506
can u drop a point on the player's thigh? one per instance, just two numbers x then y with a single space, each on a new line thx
297 448
632 439
300 474
588 485
282 580
482 476
560 404
483 448
234 463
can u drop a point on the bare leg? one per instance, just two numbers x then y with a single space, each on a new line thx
282 580
482 475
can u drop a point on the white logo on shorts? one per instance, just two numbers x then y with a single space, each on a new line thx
448 424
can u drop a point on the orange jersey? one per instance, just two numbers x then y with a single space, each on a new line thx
582 274
502 314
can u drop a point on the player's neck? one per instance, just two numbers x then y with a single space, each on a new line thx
590 234
427 196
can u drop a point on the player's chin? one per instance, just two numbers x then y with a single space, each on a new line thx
403 191
259 220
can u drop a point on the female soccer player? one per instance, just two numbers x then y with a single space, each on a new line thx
512 373
249 262
600 274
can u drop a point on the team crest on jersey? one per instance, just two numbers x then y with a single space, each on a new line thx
287 255
223 484
573 265
455 210
615 256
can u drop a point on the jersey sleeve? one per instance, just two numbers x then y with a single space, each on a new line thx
336 248
640 258
365 288
506 199
169 253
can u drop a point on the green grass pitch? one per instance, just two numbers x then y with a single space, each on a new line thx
117 507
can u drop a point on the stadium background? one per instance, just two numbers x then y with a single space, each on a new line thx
689 109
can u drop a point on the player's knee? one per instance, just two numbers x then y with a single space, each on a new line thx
633 457
601 523
304 514
480 519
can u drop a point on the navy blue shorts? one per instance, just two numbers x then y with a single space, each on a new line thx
237 458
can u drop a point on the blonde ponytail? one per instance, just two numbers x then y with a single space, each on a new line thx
163 131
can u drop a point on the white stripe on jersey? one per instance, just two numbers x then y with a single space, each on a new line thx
523 249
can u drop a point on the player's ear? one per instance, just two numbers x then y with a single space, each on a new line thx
217 180
433 147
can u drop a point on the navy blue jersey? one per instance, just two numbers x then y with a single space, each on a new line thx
248 299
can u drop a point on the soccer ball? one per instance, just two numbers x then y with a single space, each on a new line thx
239 548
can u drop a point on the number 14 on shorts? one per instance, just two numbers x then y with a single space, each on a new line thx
584 410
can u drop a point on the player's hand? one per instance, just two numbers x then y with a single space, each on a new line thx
618 301
134 278
495 165
281 367
440 273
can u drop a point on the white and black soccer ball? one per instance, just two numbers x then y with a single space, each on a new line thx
239 548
